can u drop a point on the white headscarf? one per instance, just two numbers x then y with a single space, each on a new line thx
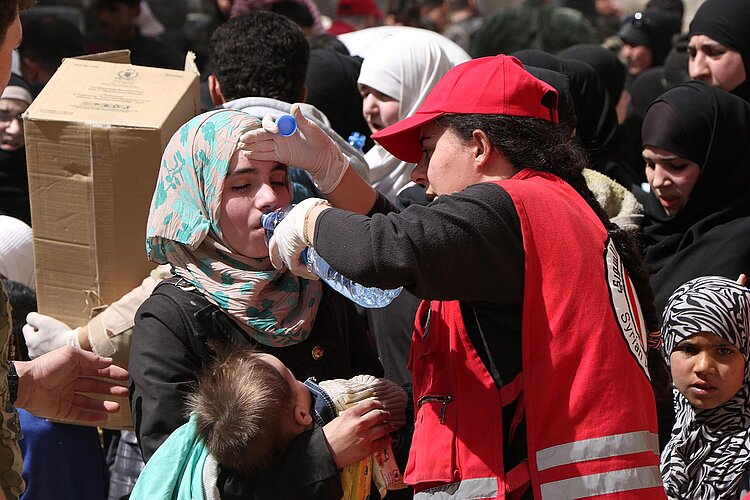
16 251
406 67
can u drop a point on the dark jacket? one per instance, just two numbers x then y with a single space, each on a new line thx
169 349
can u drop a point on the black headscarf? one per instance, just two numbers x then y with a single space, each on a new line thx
566 111
332 88
711 234
676 64
596 125
607 65
727 22
647 87
653 29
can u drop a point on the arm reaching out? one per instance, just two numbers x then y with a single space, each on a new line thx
44 334
50 385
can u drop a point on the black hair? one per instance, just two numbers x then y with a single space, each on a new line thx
327 41
9 9
540 145
295 11
260 54
22 301
405 12
49 39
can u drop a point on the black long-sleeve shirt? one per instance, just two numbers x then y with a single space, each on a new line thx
467 247
165 364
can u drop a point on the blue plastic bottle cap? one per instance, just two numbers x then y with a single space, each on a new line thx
357 141
287 125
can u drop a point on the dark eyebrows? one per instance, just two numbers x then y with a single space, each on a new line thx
656 158
726 343
241 171
712 45
721 343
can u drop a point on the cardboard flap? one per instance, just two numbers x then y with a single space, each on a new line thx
190 66
125 95
113 56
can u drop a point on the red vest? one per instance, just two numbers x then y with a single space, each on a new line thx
589 408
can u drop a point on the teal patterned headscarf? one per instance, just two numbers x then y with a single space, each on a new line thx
275 308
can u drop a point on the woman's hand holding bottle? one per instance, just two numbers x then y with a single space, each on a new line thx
293 235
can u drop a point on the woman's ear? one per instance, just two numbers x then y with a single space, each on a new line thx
482 148
214 90
302 416
489 161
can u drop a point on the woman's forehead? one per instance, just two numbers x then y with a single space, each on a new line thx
431 130
240 162
707 338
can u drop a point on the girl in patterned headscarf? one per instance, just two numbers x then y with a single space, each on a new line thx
707 339
205 221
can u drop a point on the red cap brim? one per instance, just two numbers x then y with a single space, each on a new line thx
402 139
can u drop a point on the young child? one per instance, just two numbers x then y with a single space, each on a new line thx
707 340
249 407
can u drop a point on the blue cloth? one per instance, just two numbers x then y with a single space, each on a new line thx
323 407
61 460
175 471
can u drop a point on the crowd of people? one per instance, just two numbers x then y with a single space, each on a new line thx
558 188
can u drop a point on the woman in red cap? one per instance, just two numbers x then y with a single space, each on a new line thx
530 350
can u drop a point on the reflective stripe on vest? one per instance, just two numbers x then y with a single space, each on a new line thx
592 449
602 484
483 487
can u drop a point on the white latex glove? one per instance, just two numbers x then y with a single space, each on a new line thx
346 393
288 240
309 148
44 334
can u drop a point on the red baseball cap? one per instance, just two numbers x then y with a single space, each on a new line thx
496 85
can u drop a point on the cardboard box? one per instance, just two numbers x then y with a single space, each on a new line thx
94 140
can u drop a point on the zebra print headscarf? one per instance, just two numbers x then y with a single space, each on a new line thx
709 451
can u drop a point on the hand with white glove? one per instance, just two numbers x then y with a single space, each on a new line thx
293 235
44 334
310 149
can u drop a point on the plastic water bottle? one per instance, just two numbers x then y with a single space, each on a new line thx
369 297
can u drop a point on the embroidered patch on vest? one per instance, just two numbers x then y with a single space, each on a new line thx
626 306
